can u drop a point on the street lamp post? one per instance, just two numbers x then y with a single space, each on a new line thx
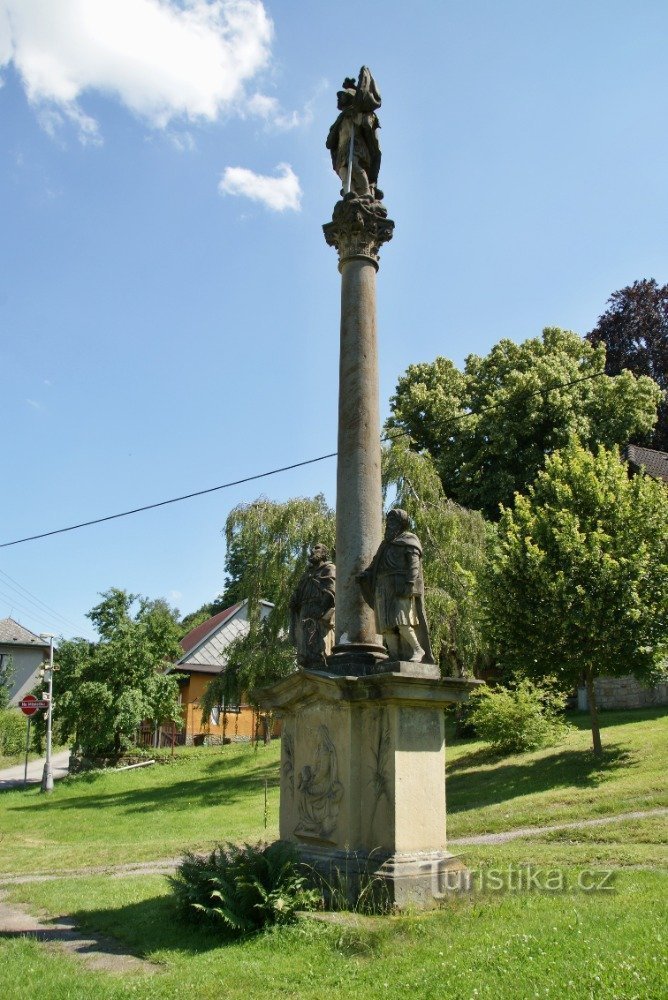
47 775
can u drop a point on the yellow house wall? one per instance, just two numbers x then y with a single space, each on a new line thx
240 724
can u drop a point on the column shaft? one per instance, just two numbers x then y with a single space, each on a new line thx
358 493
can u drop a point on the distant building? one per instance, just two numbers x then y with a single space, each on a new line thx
654 463
26 652
203 657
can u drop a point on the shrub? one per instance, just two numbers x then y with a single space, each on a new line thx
240 890
514 720
12 732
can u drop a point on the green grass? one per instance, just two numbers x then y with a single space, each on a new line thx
108 817
213 794
503 945
565 783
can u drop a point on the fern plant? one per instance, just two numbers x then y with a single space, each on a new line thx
241 889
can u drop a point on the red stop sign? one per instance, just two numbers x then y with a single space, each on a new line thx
31 704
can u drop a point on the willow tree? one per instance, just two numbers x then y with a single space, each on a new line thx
267 547
454 544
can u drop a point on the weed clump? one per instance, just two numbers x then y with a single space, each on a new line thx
243 889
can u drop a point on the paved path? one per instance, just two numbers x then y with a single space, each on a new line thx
95 951
12 777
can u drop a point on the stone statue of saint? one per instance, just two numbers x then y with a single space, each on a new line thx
312 610
393 586
353 140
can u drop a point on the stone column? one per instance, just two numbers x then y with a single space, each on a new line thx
358 229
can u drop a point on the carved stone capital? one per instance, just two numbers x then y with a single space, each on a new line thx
359 227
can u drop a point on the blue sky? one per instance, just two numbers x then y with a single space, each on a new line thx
163 332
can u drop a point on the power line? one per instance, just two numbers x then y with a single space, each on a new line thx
274 472
42 606
164 503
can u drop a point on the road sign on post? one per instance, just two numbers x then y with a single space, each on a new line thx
30 704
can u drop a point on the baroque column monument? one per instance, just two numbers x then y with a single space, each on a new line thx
363 743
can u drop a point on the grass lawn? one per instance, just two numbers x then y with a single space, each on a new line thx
529 941
212 794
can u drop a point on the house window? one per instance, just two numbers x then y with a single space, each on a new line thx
217 713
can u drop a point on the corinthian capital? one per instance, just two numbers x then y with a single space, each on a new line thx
359 227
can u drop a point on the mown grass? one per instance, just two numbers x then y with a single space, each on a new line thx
523 943
213 794
500 945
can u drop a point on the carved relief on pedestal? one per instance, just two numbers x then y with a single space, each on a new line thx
359 227
288 744
320 791
379 766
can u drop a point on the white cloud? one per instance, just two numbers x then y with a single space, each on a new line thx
166 61
35 405
278 193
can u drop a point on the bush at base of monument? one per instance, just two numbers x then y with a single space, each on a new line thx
241 890
515 720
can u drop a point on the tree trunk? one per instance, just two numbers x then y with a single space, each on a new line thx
593 712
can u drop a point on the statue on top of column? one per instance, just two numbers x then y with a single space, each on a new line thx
353 138
393 585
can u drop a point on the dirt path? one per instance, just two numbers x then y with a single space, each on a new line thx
97 953
537 831
165 866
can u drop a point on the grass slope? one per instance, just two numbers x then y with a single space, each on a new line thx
524 942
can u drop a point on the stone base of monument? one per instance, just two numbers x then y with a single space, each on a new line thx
363 778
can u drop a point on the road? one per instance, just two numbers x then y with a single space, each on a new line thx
12 777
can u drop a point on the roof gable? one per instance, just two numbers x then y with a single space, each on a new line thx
13 633
205 645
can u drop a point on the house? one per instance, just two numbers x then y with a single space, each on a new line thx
25 651
654 463
204 657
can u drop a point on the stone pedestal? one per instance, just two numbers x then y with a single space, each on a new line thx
363 779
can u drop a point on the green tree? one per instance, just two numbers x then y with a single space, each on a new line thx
6 678
578 581
490 427
454 544
267 546
634 329
105 689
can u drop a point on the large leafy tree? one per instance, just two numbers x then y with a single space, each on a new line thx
267 546
490 427
634 329
454 542
105 689
578 581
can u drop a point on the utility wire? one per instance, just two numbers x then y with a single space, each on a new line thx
164 503
24 593
274 472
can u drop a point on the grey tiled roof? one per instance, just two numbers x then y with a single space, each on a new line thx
655 463
12 632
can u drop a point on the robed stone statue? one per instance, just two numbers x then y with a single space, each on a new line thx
312 610
393 586
353 138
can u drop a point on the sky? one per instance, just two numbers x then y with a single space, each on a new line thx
169 311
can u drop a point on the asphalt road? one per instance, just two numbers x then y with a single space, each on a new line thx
12 777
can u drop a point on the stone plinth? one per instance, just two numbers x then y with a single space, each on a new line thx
363 778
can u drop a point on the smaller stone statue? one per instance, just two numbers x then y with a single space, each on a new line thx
353 140
393 586
312 610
